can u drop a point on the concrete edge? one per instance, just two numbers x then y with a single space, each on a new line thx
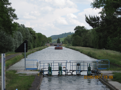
41 78
108 84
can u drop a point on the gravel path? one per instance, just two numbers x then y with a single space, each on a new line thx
10 56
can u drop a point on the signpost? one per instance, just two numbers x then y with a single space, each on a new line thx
25 54
23 48
3 71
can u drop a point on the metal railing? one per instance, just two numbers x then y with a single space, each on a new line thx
54 64
72 65
31 64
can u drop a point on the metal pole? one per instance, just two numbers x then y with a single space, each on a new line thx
3 71
25 54
83 65
53 65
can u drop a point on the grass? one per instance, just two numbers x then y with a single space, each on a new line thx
20 82
113 56
117 76
14 80
8 53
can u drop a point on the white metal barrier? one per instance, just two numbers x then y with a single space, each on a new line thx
32 64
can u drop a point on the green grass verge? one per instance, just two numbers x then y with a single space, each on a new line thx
113 56
13 60
14 80
117 77
8 53
20 82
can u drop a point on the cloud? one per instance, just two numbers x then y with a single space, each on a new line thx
46 8
62 20
90 11
51 17
61 3
71 15
28 16
23 7
83 1
35 13
87 12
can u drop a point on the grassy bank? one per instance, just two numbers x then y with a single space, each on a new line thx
117 77
19 57
113 56
14 80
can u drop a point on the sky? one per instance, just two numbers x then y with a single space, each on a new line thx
53 17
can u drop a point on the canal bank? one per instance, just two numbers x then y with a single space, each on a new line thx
66 54
113 85
114 58
13 79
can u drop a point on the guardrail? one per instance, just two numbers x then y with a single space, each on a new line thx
67 66
31 64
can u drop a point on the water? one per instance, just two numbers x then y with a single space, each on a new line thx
71 83
63 82
66 82
66 54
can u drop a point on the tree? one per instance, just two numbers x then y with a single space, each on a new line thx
7 16
58 40
77 41
110 7
18 39
68 39
49 39
79 28
93 21
6 42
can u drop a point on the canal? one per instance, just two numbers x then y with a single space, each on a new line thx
55 82
66 82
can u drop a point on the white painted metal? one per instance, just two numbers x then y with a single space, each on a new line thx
3 71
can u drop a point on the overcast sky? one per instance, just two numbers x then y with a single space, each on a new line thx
52 17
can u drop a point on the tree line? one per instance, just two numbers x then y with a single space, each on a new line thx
106 32
12 34
61 35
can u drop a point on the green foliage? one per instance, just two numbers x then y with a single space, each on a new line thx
94 39
79 28
7 16
82 36
49 39
10 43
63 35
55 40
113 56
93 21
77 41
18 39
68 40
106 32
117 77
39 39
58 41
20 82
44 40
6 42
110 7
13 60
